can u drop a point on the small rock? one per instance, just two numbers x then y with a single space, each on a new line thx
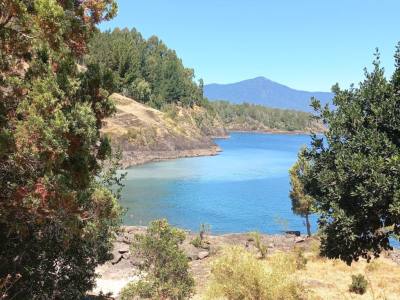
123 249
293 232
203 254
190 251
271 245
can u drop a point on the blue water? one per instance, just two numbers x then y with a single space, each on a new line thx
244 188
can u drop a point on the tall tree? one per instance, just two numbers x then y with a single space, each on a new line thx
144 69
302 203
57 213
355 175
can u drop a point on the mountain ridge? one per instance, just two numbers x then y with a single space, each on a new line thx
263 91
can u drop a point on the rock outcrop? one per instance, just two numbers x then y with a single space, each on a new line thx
145 134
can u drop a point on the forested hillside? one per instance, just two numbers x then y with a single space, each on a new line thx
145 70
149 72
251 117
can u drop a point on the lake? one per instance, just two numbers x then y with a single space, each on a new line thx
244 188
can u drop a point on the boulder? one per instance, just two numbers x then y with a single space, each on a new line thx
203 254
190 251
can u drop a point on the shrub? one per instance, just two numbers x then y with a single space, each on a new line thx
165 266
141 288
204 229
301 260
358 284
199 241
255 236
238 274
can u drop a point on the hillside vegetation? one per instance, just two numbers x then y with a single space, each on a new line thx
145 70
169 117
151 73
250 117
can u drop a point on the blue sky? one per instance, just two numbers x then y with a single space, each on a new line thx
305 44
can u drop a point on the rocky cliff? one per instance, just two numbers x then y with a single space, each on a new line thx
144 134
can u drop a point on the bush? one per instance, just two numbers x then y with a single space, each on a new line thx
197 242
141 288
359 284
255 236
238 274
301 260
200 241
165 266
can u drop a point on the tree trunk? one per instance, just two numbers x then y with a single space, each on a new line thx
308 226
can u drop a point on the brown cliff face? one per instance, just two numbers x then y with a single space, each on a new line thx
145 134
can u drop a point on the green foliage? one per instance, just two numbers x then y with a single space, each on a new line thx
355 173
257 117
238 274
200 241
141 288
358 284
302 203
197 242
57 214
256 237
165 265
145 70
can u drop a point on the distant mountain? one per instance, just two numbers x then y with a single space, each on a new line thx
265 92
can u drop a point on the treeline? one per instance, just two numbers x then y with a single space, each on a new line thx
145 70
148 71
257 117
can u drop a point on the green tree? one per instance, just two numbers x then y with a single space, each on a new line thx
355 175
145 70
57 213
166 266
302 203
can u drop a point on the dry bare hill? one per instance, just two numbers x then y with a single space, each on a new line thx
145 134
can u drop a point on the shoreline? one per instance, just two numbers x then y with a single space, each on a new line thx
275 131
137 158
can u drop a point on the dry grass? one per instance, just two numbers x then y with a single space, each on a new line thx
238 274
321 279
330 279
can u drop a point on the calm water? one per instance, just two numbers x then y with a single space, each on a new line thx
245 188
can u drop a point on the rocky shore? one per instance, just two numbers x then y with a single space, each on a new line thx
124 266
144 134
133 158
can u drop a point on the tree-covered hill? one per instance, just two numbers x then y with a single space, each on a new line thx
146 70
151 73
251 117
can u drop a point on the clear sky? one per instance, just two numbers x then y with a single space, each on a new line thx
305 44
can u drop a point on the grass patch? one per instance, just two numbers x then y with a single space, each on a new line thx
238 274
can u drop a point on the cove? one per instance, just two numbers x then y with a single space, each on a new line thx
244 188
